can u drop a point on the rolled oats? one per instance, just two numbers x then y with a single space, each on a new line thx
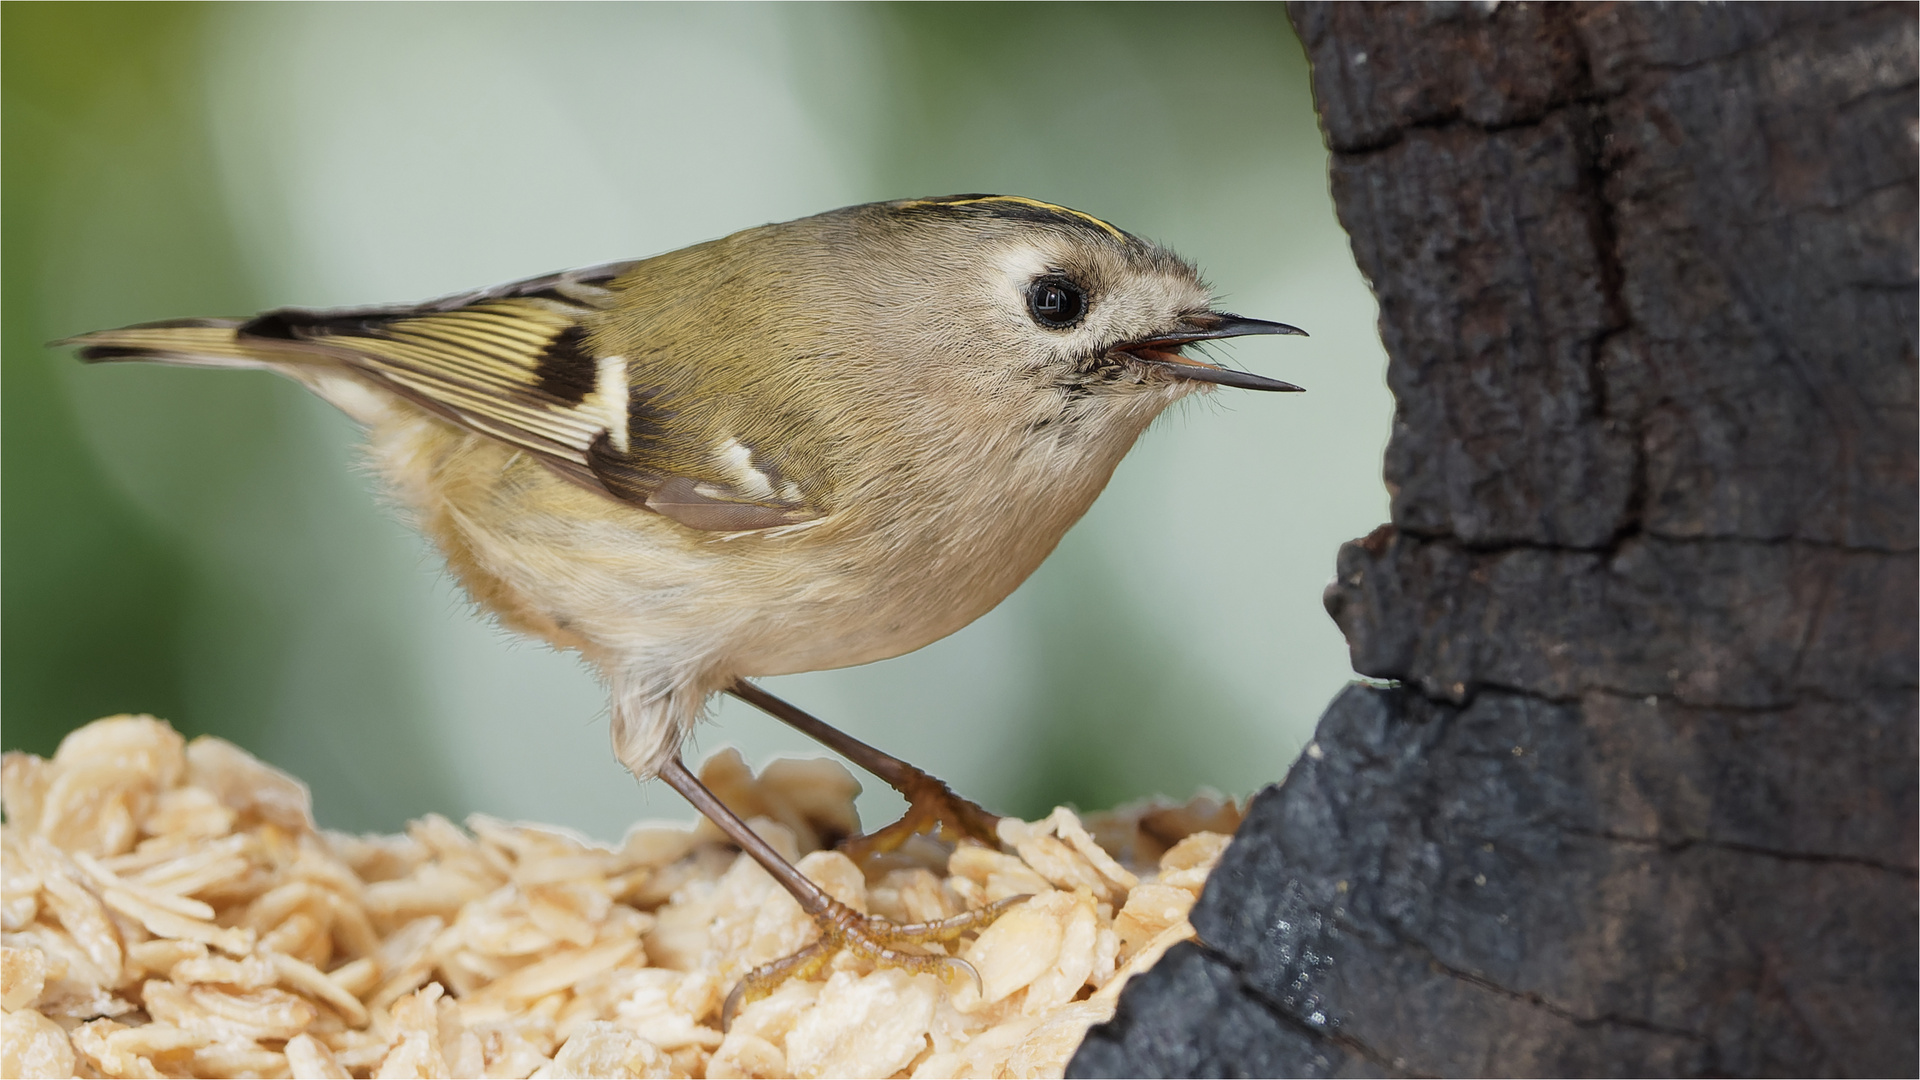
169 909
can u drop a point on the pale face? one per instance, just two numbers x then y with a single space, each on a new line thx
1022 314
1072 299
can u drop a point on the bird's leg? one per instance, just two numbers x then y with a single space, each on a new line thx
841 927
931 804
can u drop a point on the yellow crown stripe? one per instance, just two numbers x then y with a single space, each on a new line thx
1021 200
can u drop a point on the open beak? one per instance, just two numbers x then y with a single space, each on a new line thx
1163 351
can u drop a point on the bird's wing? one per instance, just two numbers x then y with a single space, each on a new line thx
515 363
510 362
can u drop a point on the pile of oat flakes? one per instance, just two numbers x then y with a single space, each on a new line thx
170 909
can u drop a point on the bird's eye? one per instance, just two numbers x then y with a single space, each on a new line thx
1056 303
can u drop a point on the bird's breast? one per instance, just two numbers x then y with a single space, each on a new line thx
910 557
924 560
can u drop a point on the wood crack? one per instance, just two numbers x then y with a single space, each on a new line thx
1684 843
1535 1000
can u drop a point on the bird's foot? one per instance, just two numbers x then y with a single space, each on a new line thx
932 808
872 938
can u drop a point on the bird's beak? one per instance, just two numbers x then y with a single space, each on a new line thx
1163 351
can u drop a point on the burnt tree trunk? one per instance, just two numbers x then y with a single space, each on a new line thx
1643 799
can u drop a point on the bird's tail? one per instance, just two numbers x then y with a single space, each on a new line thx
188 342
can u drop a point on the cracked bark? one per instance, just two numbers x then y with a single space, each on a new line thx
1642 798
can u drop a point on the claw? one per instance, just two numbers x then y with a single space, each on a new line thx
735 999
953 962
871 937
764 979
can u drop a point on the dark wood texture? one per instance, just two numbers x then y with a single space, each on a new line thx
1641 798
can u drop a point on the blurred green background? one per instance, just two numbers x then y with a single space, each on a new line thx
205 545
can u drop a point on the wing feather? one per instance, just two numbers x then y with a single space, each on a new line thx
512 363
486 360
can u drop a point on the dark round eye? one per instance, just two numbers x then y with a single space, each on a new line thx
1055 302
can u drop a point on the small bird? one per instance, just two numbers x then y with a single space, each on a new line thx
807 445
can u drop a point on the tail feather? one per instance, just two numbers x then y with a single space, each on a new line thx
190 342
513 363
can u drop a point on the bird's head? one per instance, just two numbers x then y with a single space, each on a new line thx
1044 305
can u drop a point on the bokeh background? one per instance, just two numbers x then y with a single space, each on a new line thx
205 546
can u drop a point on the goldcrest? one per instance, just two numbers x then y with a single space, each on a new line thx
807 445
803 446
